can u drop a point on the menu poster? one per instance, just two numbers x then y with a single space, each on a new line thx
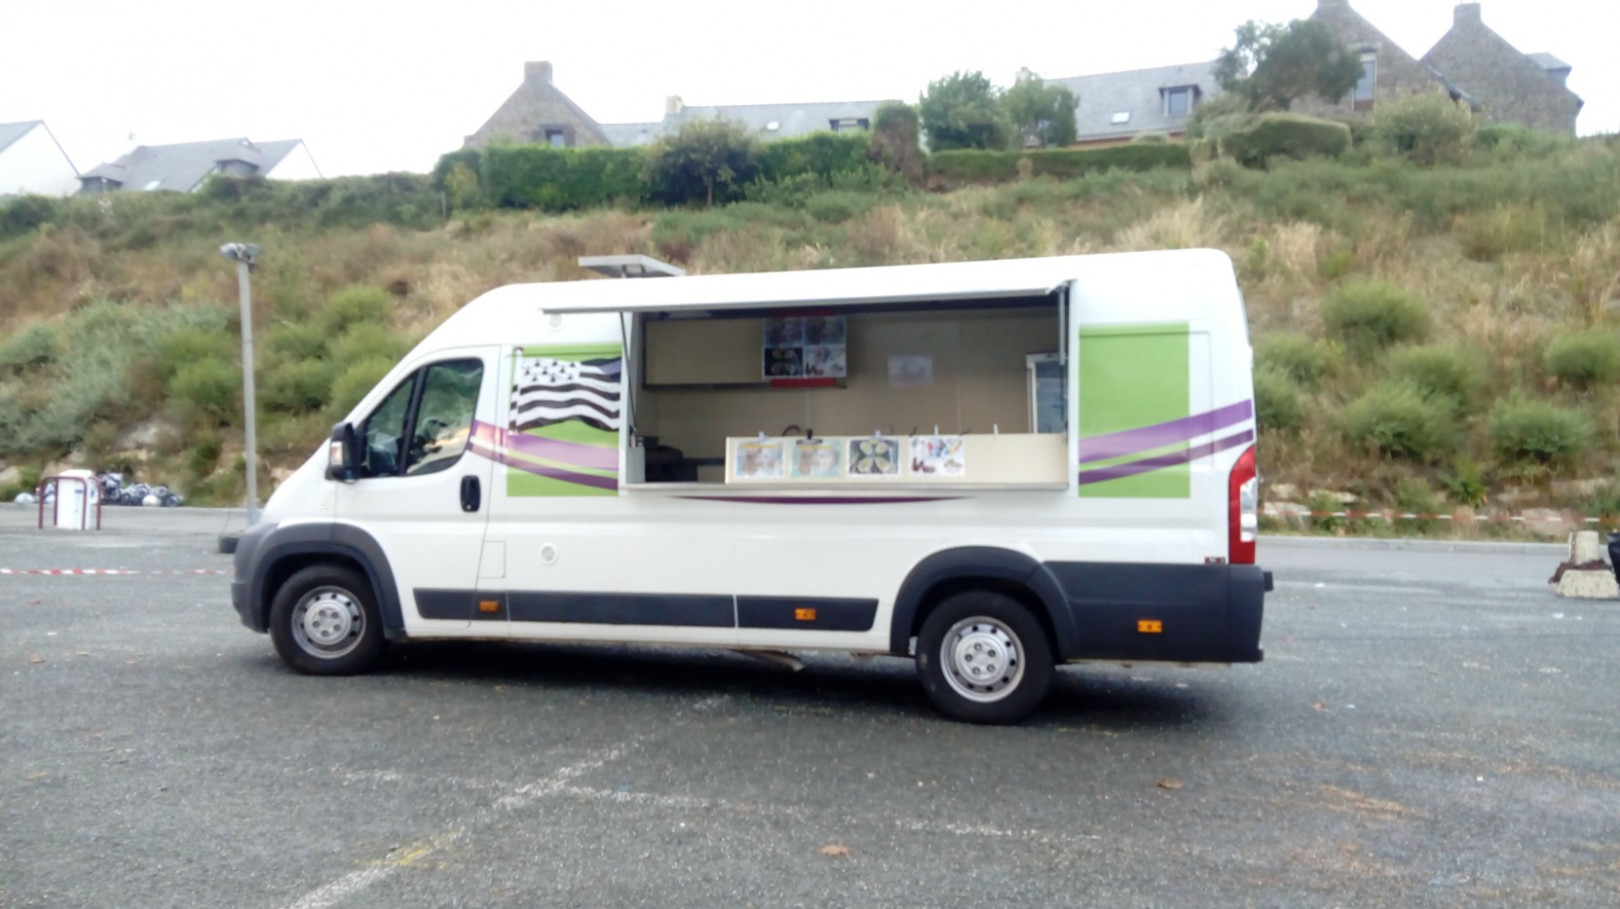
874 457
758 459
815 459
805 347
938 456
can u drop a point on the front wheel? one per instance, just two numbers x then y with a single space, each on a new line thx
324 621
984 658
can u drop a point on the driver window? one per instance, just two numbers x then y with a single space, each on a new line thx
444 419
383 431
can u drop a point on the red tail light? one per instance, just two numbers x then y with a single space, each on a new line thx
1243 510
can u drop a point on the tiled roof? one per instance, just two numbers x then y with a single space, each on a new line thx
1138 95
183 166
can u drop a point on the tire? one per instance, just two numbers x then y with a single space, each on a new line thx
324 621
981 631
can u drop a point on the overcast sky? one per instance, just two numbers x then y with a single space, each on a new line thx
373 87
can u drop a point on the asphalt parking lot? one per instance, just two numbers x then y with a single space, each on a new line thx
1430 727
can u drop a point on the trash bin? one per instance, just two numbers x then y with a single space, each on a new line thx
77 495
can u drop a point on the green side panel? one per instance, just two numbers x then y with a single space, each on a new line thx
521 483
527 485
1131 377
574 353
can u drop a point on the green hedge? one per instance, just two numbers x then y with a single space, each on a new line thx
1286 136
558 179
975 166
821 153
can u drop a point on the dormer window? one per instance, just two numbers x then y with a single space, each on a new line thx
844 124
1367 86
1179 100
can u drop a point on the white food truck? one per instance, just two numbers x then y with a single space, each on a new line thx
993 468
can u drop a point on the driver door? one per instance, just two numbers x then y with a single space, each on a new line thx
423 493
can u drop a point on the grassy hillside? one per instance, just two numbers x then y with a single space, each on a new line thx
1427 338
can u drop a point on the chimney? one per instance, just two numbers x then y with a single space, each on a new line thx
1468 14
1024 75
673 105
1322 5
537 72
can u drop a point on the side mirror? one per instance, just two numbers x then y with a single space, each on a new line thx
343 454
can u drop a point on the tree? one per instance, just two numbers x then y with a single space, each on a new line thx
894 141
962 111
1042 115
706 160
1272 66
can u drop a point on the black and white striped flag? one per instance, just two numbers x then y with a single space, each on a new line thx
549 391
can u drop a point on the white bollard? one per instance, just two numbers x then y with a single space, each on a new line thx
77 496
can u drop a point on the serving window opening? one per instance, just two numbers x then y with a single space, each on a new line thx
950 392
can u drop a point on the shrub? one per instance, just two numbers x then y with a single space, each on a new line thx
707 161
24 213
1368 316
204 452
1524 431
35 345
296 340
1466 482
1277 403
1395 419
192 344
1584 359
211 387
1413 496
364 341
1294 356
1150 138
1454 373
1285 136
895 141
357 305
297 386
1427 128
1488 236
354 381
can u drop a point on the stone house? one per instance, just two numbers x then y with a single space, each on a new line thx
1471 63
1498 81
1387 71
538 112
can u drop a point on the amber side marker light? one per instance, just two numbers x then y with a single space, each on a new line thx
1149 626
804 615
489 606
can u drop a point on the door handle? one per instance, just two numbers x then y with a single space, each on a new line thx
470 494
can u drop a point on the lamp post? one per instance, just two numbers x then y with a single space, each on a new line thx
245 255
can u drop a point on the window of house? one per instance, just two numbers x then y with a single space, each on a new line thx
1367 85
1178 101
556 138
847 123
153 185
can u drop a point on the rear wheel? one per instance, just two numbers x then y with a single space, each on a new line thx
324 621
984 658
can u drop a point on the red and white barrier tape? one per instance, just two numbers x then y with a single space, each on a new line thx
110 571
1392 516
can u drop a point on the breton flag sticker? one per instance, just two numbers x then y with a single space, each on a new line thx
551 391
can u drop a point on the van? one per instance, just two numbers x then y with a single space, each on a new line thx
992 468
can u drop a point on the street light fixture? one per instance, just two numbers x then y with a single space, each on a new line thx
245 255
